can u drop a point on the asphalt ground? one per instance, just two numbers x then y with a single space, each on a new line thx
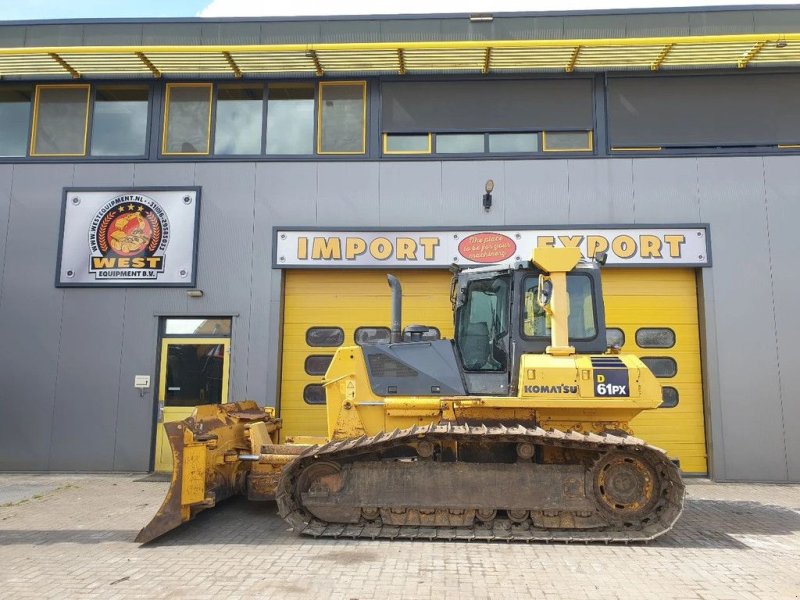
71 536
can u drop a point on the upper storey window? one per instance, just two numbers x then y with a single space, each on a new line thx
119 121
342 117
15 116
487 117
60 120
187 119
240 110
290 119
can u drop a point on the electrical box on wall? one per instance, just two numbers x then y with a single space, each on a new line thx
141 382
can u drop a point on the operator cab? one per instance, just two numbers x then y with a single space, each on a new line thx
499 317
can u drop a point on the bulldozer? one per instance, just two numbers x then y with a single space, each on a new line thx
516 429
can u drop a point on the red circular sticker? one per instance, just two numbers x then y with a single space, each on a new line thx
487 247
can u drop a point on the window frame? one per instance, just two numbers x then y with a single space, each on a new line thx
165 125
320 100
572 338
148 132
590 148
213 116
388 152
315 126
29 136
34 129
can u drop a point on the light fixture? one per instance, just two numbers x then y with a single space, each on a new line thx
781 43
481 18
194 293
487 197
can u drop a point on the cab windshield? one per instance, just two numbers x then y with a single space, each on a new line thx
482 325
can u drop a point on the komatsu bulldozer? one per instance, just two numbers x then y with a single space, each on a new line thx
517 429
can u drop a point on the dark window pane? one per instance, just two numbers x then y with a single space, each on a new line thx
188 114
581 309
431 334
194 374
404 143
317 364
513 142
615 338
238 120
661 366
290 119
342 118
655 337
15 115
567 140
459 143
372 335
325 336
61 120
314 394
119 122
670 397
200 327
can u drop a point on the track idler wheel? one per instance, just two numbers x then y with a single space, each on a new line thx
626 487
320 479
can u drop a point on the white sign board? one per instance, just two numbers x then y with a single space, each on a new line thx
655 246
124 238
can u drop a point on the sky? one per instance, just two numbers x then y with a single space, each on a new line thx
82 9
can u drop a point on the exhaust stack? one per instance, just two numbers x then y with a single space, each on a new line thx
397 309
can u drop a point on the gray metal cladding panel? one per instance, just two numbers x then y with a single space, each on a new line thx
350 31
529 28
286 193
30 316
229 248
54 35
732 200
600 191
657 25
231 33
347 194
113 176
12 36
171 34
165 173
411 194
783 213
721 22
463 185
85 411
594 26
487 105
296 32
686 111
411 30
6 174
112 34
776 20
534 192
665 190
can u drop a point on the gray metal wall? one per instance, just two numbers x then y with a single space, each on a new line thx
68 356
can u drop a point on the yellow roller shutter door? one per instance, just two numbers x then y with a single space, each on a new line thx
636 299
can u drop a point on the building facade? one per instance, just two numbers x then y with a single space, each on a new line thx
196 211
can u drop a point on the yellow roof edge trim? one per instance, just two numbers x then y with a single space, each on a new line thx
433 45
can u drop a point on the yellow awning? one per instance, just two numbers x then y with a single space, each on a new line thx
613 54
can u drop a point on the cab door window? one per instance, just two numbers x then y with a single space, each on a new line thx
482 327
582 320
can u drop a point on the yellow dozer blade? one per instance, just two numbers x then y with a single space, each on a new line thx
212 452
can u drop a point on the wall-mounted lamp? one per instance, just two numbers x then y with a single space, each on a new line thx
194 293
487 197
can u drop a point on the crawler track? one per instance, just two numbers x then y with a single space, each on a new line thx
618 489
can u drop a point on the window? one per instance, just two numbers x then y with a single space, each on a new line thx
342 117
567 141
482 325
317 364
187 119
655 337
404 143
314 394
119 121
60 120
239 119
325 337
15 116
536 322
615 337
661 366
669 397
372 335
290 119
513 142
459 143
203 327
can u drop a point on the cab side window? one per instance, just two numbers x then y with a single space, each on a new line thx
582 323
